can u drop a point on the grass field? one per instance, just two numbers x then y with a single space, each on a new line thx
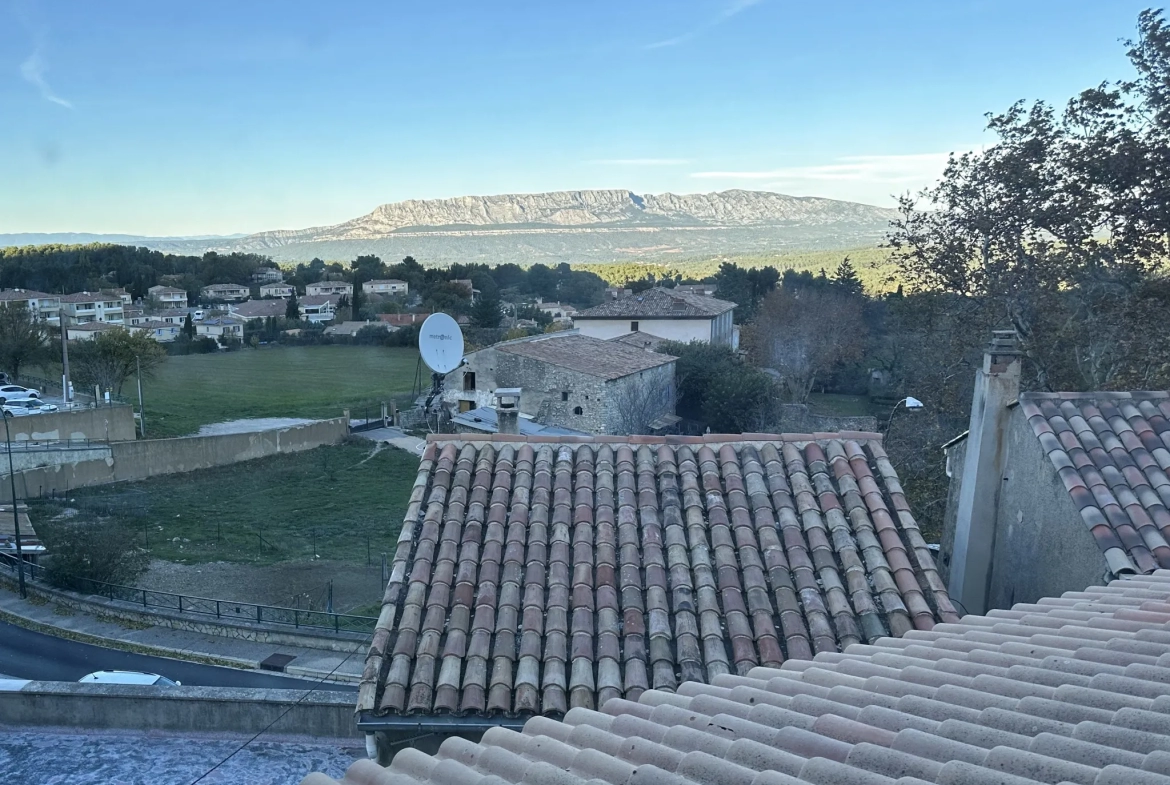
331 502
299 381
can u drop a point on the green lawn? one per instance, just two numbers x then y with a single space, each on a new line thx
301 381
331 501
840 405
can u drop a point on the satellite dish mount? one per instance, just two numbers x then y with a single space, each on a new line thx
440 342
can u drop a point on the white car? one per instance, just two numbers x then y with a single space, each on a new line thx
128 677
16 391
19 407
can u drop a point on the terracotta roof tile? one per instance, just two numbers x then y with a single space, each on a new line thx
537 577
1069 689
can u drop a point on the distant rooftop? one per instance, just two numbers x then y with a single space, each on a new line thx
659 303
591 356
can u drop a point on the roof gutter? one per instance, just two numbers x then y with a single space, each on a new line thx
368 722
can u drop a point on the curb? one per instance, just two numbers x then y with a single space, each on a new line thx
167 652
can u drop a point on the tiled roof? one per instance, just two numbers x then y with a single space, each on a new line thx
658 303
403 319
387 281
587 355
23 294
1112 451
538 574
90 297
1073 689
314 300
641 340
261 308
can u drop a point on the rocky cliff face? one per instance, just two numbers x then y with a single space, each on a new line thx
571 226
582 209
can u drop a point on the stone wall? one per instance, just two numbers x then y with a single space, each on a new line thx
322 714
151 457
103 423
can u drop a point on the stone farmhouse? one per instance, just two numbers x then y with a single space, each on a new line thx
570 380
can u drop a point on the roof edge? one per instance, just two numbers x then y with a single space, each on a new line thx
710 438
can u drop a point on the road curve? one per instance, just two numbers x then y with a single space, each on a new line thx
25 654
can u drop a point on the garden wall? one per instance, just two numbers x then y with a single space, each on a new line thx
103 423
150 457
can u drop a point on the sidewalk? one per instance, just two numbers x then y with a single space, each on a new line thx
178 644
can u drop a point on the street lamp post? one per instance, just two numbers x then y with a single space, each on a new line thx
15 514
910 403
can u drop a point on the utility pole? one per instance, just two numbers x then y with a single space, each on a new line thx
65 362
15 514
141 411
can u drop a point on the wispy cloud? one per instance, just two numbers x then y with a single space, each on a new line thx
33 69
731 9
885 168
640 161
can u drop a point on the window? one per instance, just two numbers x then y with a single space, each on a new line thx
578 410
633 327
468 381
565 395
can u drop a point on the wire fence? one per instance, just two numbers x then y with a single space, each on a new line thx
232 610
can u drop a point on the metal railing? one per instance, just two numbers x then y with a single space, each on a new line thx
38 445
231 610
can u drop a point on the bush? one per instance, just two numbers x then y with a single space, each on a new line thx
717 388
86 551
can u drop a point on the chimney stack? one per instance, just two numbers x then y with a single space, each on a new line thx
508 410
997 384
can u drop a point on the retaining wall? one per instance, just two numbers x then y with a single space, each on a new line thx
137 460
103 423
200 709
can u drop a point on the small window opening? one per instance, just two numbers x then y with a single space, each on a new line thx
578 410
633 327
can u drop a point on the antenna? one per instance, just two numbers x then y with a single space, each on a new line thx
440 342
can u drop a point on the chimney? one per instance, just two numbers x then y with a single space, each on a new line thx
997 384
508 410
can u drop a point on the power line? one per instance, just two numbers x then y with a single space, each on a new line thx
266 728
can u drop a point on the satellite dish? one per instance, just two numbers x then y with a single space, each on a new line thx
441 343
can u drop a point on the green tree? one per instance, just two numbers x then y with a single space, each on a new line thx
112 357
486 312
98 550
188 327
293 309
716 387
22 338
845 280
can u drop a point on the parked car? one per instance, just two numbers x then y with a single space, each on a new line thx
128 677
18 407
16 391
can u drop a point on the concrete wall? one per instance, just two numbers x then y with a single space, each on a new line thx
151 457
103 423
23 460
682 330
1042 547
324 714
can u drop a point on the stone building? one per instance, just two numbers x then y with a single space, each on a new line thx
1052 492
570 380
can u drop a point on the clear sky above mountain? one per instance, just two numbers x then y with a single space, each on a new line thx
163 118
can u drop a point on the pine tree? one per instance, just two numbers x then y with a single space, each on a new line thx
293 309
846 279
188 326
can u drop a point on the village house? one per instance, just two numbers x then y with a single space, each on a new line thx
221 328
283 290
570 380
467 286
1052 492
662 312
319 309
87 331
228 292
168 296
121 294
163 332
326 288
259 310
268 275
86 307
41 307
701 289
560 313
617 292
389 286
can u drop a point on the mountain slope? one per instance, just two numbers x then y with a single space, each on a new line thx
569 226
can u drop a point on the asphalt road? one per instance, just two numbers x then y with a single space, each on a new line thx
33 655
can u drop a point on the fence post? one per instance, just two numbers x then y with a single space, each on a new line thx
259 613
217 609
144 598
180 603
336 620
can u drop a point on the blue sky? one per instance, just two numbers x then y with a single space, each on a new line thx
162 118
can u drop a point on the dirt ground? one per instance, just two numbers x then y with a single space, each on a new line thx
288 584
